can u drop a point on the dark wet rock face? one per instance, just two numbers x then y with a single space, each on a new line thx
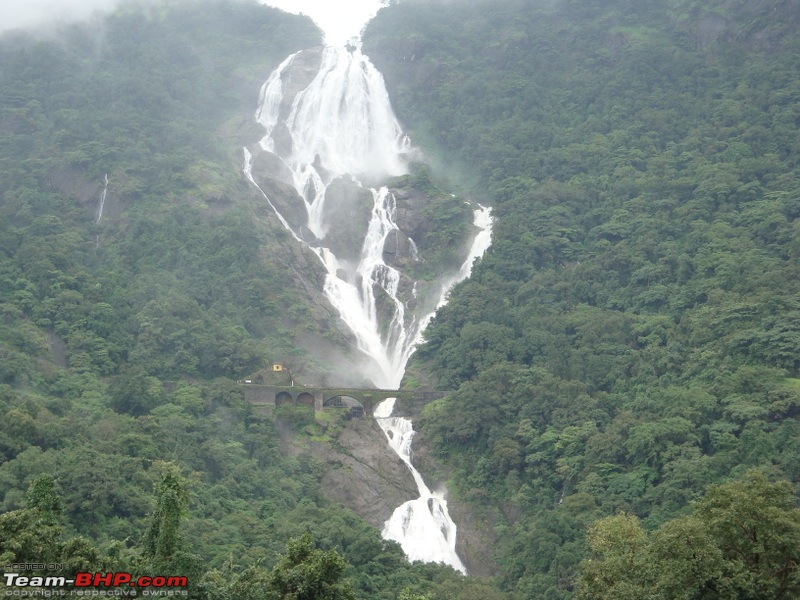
368 478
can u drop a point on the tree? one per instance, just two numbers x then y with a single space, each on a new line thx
134 393
755 524
33 535
306 573
162 537
622 574
741 542
42 495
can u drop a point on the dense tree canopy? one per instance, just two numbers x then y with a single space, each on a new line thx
632 335
126 444
625 353
741 540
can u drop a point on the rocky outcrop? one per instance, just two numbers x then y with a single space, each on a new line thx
411 204
346 215
305 66
275 180
362 471
365 475
74 183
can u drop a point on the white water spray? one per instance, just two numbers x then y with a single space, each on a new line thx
102 201
99 213
423 527
337 124
341 125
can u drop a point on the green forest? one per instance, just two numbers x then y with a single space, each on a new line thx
633 334
625 359
127 444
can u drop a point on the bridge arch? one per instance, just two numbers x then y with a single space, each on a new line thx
283 398
360 399
306 399
355 407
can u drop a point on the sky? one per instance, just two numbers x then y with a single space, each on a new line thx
339 19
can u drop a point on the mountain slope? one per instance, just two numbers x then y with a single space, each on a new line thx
633 334
127 444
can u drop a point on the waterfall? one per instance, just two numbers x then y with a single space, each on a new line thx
102 201
328 121
99 212
423 527
341 125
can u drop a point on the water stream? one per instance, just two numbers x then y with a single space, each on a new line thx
102 201
422 527
328 121
99 213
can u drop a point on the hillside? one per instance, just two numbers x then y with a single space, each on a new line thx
633 334
625 358
127 444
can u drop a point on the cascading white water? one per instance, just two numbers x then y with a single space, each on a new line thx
341 123
415 523
102 201
423 527
99 213
340 127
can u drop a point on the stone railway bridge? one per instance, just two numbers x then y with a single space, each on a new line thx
358 400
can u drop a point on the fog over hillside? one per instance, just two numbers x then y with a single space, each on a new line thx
23 14
340 22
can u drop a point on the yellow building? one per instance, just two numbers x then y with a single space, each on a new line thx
276 368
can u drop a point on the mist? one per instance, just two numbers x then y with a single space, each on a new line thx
339 21
28 14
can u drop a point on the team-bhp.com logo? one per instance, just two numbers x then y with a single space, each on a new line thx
87 584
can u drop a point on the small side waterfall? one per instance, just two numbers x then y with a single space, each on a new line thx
102 201
100 205
329 123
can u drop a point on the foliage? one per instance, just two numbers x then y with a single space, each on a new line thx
173 278
42 496
162 537
305 573
631 338
741 540
34 535
121 337
631 335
